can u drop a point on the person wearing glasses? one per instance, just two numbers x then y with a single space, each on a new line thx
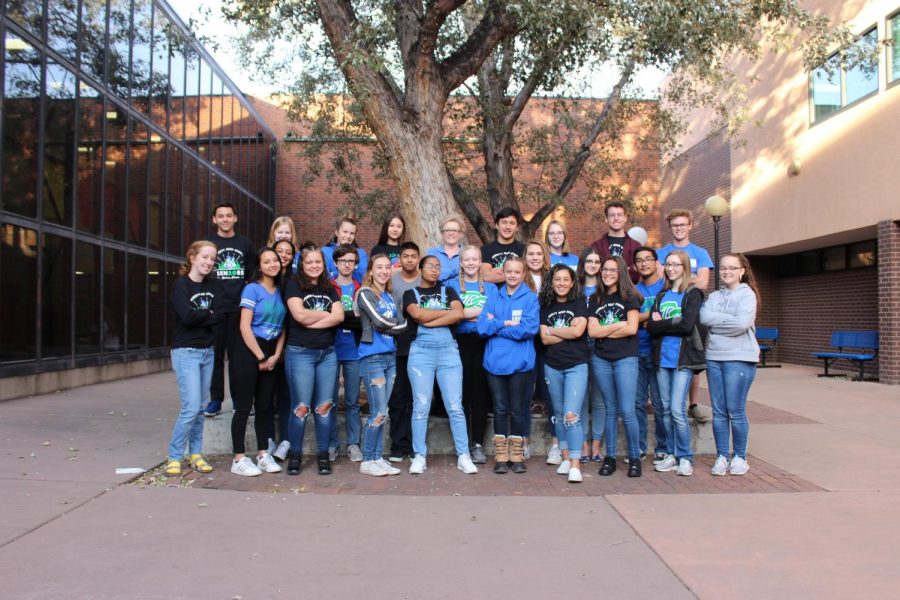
432 310
588 273
678 354
558 245
681 222
452 230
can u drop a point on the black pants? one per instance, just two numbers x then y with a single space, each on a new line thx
400 411
227 339
282 404
252 386
476 397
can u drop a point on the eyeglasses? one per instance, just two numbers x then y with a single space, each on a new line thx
345 261
451 231
432 266
644 261
674 265
609 271
730 269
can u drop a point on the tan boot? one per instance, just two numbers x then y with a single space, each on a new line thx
517 453
501 454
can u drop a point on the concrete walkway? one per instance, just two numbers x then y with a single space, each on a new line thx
70 529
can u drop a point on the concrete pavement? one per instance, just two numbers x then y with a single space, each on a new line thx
70 529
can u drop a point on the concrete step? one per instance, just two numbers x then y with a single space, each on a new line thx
217 436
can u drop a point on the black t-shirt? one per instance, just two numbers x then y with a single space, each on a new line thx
495 253
392 252
319 299
235 262
429 298
567 353
196 308
609 310
617 247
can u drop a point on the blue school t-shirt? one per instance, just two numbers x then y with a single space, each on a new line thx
381 342
268 310
471 298
699 257
649 292
566 259
344 341
669 307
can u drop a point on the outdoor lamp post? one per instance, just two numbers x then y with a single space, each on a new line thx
716 206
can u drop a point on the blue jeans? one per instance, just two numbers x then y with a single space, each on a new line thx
511 402
593 427
351 402
646 383
567 389
441 360
617 380
729 383
674 385
311 373
193 372
378 372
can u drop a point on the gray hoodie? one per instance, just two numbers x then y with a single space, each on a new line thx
730 316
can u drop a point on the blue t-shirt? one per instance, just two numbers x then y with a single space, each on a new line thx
649 292
381 343
449 266
670 306
566 259
699 257
344 342
268 310
471 298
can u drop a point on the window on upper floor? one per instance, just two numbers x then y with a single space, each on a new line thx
893 34
847 76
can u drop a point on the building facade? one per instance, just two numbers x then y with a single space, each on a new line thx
119 134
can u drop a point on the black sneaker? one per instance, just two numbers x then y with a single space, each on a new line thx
609 466
294 459
323 463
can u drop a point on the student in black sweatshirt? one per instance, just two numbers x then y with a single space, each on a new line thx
195 301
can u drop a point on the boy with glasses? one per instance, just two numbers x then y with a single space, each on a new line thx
346 343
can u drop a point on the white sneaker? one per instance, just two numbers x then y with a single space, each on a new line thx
370 467
554 456
332 453
417 466
282 450
464 463
267 464
526 452
667 464
575 476
564 467
685 468
738 466
354 452
245 467
720 467
388 467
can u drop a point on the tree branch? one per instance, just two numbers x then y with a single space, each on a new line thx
467 205
407 27
435 15
496 24
537 74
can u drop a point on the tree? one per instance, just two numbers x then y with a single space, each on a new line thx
401 60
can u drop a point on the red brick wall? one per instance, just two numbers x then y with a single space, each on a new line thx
889 300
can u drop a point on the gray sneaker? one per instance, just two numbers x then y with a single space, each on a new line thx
720 467
282 450
685 468
738 466
355 453
554 456
667 464
478 456
332 453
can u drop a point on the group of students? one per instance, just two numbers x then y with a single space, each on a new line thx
493 327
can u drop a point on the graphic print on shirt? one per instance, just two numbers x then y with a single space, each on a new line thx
669 309
317 302
647 306
202 301
610 312
560 319
433 302
616 246
500 258
230 264
472 299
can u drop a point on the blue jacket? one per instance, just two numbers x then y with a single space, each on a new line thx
509 349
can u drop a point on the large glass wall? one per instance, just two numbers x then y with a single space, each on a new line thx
119 134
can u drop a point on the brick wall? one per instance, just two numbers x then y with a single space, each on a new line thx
889 300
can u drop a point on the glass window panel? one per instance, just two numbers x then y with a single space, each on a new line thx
177 47
21 113
27 13
137 302
87 292
114 185
93 37
205 107
191 93
62 27
826 88
189 199
137 184
834 259
157 197
894 48
90 158
862 79
171 276
159 98
157 302
809 262
203 208
113 300
119 55
173 196
56 296
59 147
142 81
862 254
18 303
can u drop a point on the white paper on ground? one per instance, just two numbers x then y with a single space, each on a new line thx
129 471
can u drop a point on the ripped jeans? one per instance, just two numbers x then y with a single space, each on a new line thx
428 360
567 389
310 373
378 372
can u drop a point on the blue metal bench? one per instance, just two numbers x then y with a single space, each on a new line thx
856 346
766 337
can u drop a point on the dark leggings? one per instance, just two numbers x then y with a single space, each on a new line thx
282 404
476 397
400 411
252 386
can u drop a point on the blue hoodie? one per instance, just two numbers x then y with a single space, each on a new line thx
509 349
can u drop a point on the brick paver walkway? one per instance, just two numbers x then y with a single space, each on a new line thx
443 479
